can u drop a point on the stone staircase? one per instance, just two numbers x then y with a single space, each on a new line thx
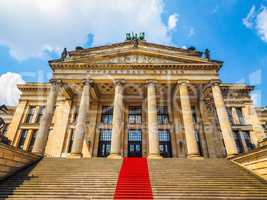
207 179
57 178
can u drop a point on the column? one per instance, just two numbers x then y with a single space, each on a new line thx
117 122
224 121
191 143
251 118
45 122
152 121
81 128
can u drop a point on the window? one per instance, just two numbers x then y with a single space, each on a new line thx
163 115
75 115
104 142
247 139
194 114
240 116
30 114
134 135
22 138
71 141
40 114
165 143
135 115
229 112
107 112
238 142
34 132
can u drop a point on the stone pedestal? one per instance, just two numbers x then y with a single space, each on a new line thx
191 143
45 122
224 121
153 137
81 127
117 122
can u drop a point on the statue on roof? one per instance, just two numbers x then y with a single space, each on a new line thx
64 54
134 36
207 54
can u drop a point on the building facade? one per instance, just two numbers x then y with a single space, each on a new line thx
135 99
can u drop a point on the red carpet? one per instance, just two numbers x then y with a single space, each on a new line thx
133 182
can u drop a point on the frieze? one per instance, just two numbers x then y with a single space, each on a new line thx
135 71
136 59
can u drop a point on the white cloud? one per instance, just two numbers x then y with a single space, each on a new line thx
9 93
261 24
30 27
257 21
191 32
172 21
248 20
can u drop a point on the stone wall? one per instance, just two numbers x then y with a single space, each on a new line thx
12 160
255 161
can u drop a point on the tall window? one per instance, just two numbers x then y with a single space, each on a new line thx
247 139
40 114
75 115
30 114
163 115
34 132
107 112
104 142
240 116
135 115
194 114
71 141
22 138
238 142
229 112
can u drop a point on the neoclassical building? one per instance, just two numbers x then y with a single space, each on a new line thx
135 99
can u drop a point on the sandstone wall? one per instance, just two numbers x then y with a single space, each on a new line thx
12 160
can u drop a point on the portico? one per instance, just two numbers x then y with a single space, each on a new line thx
134 99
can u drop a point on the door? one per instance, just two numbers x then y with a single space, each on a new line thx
104 143
134 143
165 144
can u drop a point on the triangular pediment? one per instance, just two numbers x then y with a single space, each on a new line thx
127 53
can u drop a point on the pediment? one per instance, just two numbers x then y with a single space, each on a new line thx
127 54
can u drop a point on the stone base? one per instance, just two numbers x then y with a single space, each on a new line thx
231 156
115 156
195 157
75 156
153 156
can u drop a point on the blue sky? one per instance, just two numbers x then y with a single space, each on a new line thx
33 31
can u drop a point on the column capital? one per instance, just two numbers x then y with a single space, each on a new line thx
56 81
87 82
215 82
151 82
183 82
119 82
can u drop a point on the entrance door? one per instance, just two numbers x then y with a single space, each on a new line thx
104 143
165 144
134 143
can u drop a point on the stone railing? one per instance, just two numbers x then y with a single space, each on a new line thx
255 161
12 160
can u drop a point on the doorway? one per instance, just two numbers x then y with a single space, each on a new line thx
134 143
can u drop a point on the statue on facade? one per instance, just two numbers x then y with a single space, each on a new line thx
3 139
64 54
135 38
207 54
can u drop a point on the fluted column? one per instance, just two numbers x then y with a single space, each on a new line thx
45 122
117 122
81 127
153 137
224 121
191 143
